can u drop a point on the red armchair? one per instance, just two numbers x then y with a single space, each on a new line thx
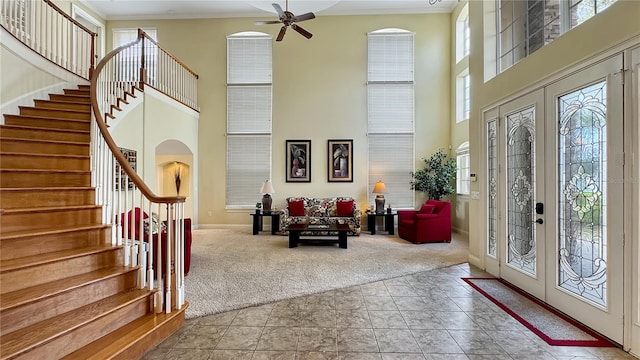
432 223
133 220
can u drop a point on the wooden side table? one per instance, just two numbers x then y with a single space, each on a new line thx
258 219
389 223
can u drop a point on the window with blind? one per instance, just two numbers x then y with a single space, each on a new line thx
390 88
249 91
463 160
131 60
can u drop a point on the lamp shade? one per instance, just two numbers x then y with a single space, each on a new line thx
379 188
267 188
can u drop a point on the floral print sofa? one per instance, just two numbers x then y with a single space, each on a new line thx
340 210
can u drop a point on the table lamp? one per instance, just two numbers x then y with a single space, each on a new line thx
267 190
379 189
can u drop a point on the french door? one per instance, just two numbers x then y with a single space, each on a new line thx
555 195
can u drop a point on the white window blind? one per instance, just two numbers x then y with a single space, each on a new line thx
249 104
391 108
124 36
391 114
391 159
248 166
249 109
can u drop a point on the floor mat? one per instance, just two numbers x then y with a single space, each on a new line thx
549 324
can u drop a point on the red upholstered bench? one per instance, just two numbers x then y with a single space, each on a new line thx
135 232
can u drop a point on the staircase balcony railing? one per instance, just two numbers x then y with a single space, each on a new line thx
125 198
50 32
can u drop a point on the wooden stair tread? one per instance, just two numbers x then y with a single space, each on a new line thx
60 156
27 338
50 209
45 117
51 231
40 259
118 341
58 142
22 127
54 109
44 171
32 294
42 188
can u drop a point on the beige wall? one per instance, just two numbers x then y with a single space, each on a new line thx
614 26
151 122
319 93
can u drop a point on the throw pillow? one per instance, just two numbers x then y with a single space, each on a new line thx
296 208
427 209
344 208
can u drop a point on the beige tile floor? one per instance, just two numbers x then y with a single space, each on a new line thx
430 315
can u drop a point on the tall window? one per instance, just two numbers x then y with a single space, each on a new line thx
463 35
463 161
463 93
125 36
526 26
249 89
390 88
463 100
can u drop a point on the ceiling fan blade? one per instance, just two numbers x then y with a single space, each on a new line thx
279 10
302 31
303 17
267 22
281 33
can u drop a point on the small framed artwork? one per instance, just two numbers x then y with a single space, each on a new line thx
120 178
340 157
298 160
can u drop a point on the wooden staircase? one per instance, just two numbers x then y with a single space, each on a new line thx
64 291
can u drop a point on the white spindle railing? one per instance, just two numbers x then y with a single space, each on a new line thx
125 198
47 30
50 32
165 73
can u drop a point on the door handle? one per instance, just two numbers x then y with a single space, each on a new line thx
539 221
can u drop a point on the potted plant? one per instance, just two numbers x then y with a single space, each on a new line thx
436 178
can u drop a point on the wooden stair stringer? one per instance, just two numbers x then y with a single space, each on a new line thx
65 287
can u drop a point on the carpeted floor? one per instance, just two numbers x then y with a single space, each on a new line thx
232 269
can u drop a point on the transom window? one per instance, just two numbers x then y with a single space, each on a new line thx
526 26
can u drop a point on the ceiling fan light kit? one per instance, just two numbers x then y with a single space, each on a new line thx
287 18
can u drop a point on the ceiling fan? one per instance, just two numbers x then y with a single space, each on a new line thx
287 18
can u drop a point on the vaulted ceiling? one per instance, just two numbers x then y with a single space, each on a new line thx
168 9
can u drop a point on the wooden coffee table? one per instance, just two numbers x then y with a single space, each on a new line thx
296 229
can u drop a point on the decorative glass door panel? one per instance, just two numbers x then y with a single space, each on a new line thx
585 230
492 188
521 237
582 189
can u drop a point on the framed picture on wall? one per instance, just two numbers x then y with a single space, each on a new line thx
120 176
340 160
298 157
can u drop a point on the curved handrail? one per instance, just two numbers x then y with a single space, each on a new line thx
115 150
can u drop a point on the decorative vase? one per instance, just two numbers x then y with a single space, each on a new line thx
178 181
343 167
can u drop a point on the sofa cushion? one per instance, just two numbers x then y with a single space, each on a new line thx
296 208
344 208
427 209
